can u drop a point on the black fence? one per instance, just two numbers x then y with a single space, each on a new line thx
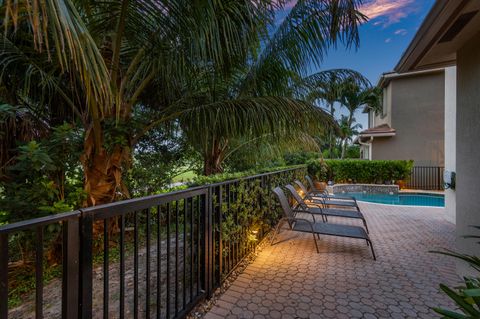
426 177
150 257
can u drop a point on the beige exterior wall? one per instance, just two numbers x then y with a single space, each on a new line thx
467 146
450 137
415 108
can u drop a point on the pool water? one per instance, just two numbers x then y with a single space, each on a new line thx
410 199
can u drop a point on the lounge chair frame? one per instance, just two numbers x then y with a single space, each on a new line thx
324 210
305 225
323 194
343 201
313 190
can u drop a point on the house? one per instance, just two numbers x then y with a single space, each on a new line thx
410 125
450 36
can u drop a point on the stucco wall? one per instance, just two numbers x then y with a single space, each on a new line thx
468 147
384 117
417 113
450 137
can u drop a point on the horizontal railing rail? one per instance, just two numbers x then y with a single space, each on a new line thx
426 178
156 256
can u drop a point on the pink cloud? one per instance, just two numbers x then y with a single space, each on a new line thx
385 12
290 4
390 11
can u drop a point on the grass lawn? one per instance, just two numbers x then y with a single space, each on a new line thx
185 177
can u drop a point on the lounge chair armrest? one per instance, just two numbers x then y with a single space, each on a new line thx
306 212
315 203
307 221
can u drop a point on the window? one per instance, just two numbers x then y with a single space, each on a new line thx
385 100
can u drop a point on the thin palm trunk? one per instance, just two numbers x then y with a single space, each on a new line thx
344 147
345 140
331 130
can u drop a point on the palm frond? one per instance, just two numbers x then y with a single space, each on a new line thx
253 117
311 28
326 86
471 260
301 41
275 146
57 27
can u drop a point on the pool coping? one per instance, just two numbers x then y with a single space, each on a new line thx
411 191
362 201
422 191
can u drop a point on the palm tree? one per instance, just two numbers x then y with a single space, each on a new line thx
347 131
267 90
102 63
353 97
325 88
97 59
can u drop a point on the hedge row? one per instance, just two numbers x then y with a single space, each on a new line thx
360 171
203 180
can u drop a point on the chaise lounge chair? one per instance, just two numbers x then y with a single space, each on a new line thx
318 208
324 194
306 226
329 200
316 192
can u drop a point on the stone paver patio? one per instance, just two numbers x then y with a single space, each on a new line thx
290 280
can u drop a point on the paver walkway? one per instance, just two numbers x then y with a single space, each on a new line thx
290 280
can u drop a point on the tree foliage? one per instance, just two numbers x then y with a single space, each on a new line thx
149 87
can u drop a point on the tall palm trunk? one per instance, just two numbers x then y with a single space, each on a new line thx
212 161
331 141
212 166
103 171
344 147
345 139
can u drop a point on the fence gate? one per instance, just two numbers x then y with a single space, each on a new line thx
426 177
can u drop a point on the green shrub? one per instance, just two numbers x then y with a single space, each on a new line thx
362 171
298 158
466 297
217 178
318 169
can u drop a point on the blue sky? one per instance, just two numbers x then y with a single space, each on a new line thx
383 39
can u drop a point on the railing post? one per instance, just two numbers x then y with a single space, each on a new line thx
220 239
71 266
207 211
3 276
440 177
86 239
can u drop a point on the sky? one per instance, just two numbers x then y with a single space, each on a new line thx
383 39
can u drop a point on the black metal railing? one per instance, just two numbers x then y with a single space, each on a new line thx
426 178
150 257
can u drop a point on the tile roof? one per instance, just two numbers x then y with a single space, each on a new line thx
380 130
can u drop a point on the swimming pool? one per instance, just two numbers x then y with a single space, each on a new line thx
410 199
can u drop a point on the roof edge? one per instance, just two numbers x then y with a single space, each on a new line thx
440 11
389 76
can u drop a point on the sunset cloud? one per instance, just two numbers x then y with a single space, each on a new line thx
400 32
389 11
290 4
384 12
